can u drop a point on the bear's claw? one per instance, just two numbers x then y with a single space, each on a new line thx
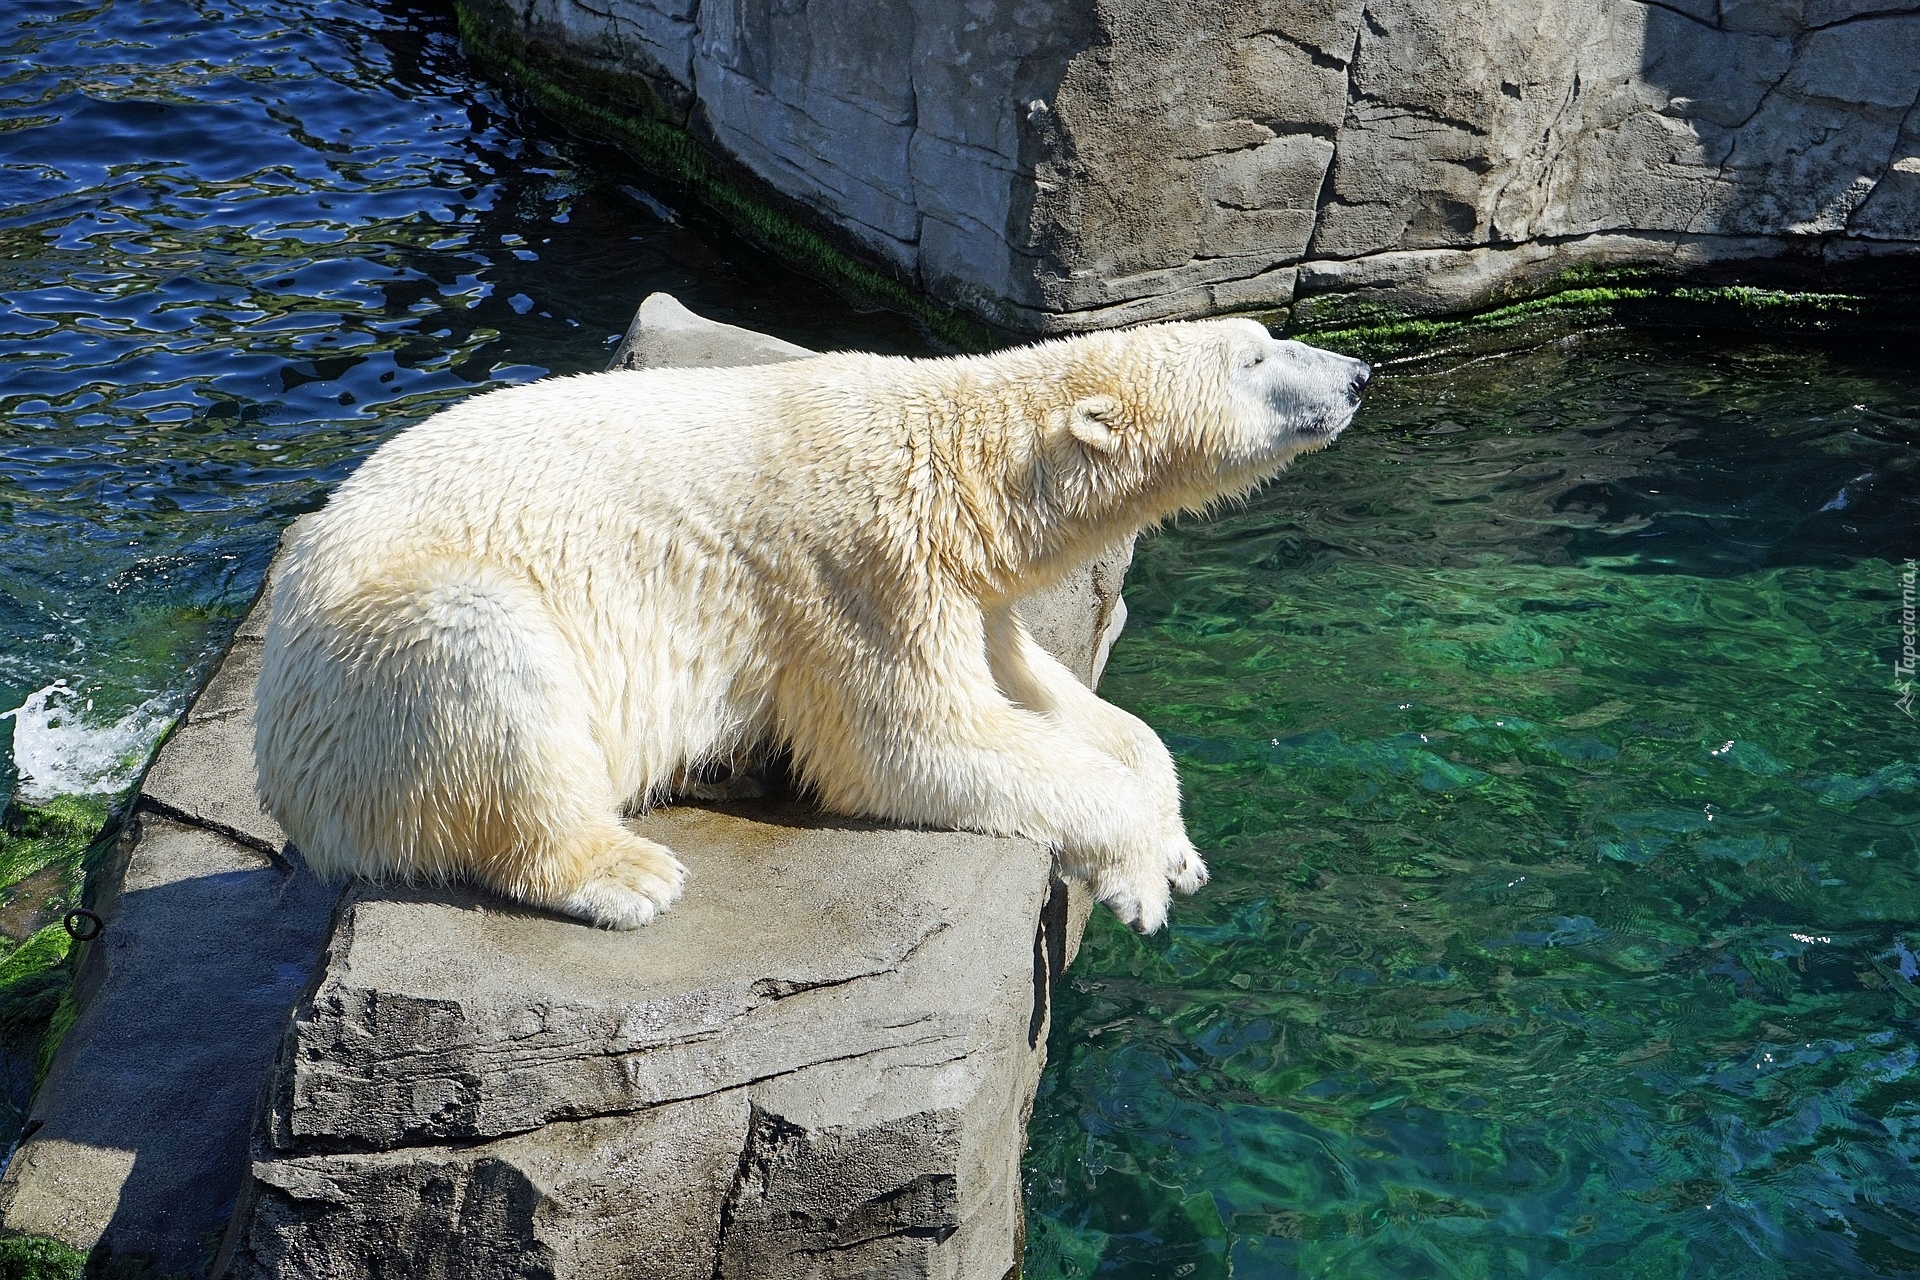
1141 907
1185 869
1190 876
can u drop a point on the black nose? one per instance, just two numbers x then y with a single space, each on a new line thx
1360 377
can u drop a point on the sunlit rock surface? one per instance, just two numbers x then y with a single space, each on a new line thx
1066 164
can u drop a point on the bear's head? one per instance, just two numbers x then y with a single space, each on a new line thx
1169 417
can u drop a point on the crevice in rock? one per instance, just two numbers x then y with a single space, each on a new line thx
781 988
1679 12
766 1133
1326 198
1408 111
730 1203
1276 127
173 813
1320 57
314 1144
935 1234
1869 16
1049 955
1900 143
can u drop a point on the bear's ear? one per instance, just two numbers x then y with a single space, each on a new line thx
1094 422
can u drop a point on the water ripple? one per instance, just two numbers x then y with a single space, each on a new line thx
1543 739
242 244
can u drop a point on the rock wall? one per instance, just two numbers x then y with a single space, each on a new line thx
1063 164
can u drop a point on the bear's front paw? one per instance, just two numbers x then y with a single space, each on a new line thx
631 892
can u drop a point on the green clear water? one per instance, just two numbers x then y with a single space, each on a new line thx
1542 736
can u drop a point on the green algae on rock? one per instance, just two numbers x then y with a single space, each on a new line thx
1639 298
39 1258
46 853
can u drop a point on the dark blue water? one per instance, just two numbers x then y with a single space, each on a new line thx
240 245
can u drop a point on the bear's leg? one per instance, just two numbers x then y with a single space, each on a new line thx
932 739
1036 680
459 745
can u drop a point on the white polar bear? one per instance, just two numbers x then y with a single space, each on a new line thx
538 609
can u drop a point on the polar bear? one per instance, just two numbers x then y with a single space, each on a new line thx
534 611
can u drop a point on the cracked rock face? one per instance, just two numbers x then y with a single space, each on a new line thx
818 1064
1065 164
448 1018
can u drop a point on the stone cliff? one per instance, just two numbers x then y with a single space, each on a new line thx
1053 165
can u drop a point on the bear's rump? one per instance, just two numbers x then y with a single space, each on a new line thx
432 723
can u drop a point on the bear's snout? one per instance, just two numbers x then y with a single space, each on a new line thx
1315 393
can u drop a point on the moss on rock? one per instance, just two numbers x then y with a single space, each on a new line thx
38 1258
47 851
1626 297
34 837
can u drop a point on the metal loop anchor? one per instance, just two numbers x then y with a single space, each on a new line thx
82 925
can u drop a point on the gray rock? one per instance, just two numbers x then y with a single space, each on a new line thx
137 1142
193 777
447 1017
561 1200
1078 618
841 1023
1068 164
819 1063
665 335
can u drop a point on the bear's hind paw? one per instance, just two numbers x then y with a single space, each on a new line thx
629 893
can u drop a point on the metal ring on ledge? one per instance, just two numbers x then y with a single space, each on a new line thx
82 925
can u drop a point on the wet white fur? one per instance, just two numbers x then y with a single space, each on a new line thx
532 612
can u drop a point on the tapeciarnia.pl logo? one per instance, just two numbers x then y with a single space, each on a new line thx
1903 665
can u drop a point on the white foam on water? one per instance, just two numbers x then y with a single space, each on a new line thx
62 749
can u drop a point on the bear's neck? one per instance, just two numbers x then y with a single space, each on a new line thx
988 520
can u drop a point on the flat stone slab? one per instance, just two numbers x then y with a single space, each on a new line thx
454 1016
138 1140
